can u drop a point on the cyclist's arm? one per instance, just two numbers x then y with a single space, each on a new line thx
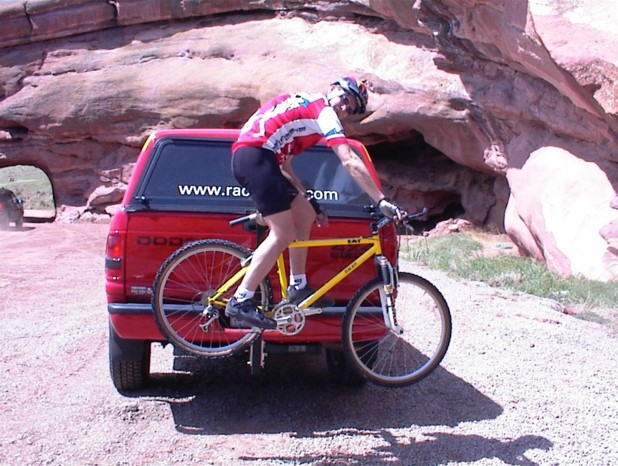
289 173
358 171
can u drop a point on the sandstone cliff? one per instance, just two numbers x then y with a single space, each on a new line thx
503 111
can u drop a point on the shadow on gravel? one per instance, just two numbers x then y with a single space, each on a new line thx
439 448
294 394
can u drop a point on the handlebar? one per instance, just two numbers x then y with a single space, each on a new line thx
419 214
384 221
377 226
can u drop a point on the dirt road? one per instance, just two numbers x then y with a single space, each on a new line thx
522 384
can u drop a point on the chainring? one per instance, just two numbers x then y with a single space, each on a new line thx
290 319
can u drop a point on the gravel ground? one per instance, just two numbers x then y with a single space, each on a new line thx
522 384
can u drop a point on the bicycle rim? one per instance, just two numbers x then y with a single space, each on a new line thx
410 352
182 287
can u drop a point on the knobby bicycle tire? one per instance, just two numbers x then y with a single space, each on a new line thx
181 290
397 358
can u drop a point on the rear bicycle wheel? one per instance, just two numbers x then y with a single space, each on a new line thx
411 350
181 304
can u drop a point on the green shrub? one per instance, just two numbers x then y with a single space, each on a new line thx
461 256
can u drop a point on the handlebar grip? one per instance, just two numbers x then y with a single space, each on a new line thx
245 218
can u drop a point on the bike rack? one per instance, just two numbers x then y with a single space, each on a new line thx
257 356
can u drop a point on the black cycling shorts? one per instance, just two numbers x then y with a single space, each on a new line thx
257 170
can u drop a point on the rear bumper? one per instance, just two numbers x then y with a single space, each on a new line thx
135 321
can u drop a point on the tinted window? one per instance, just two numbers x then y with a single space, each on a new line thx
321 172
191 174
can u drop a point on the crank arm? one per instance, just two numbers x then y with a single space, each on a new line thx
206 324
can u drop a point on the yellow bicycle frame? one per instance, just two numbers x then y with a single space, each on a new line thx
375 249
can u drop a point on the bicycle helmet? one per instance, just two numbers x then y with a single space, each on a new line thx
356 88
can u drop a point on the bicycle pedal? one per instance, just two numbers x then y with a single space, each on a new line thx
311 311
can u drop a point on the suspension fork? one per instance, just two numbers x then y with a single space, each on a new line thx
389 280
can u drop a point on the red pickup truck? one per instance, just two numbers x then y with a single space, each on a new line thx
182 190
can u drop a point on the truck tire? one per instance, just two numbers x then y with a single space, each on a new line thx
129 362
341 371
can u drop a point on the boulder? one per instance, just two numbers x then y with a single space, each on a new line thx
560 217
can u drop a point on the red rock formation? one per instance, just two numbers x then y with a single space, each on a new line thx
521 92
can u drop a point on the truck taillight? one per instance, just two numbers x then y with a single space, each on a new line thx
113 255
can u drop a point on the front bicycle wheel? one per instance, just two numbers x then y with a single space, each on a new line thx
401 350
189 302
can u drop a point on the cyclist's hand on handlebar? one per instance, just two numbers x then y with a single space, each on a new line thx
390 209
320 214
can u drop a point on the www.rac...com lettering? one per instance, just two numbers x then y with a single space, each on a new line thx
239 191
212 191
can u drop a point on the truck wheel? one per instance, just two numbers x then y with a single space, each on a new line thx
341 371
129 362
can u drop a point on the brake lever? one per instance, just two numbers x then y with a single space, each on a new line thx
416 215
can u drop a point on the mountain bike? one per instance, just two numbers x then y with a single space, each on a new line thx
395 331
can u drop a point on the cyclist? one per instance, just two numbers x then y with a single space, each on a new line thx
261 162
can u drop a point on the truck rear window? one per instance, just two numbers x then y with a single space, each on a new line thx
188 174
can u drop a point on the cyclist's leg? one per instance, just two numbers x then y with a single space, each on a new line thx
257 170
304 216
266 254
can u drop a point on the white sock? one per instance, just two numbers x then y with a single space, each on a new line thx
242 294
299 281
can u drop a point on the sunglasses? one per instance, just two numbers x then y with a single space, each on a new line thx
347 101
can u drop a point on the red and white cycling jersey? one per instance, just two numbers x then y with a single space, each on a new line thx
291 123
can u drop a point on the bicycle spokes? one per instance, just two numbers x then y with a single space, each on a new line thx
190 294
397 338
